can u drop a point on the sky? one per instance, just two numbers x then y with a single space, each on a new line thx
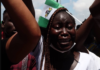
79 8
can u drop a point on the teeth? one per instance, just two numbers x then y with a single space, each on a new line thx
65 40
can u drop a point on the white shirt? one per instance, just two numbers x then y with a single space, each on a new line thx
86 61
96 59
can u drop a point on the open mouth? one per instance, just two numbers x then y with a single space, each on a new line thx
64 41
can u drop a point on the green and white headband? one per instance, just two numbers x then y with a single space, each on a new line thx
50 7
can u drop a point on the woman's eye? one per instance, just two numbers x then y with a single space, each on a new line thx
57 27
70 27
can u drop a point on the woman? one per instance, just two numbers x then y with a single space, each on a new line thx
57 52
59 37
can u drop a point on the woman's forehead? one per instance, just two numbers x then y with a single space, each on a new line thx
62 16
62 13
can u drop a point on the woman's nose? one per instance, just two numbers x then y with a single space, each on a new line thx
64 32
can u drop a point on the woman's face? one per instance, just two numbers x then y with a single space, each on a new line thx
9 29
62 31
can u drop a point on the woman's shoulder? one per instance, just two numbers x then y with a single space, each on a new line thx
82 57
85 61
95 58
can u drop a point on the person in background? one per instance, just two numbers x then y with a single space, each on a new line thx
29 61
9 28
2 31
20 44
5 19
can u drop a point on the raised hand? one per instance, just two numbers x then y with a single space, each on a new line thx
95 8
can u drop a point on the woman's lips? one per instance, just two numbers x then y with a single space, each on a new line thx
64 41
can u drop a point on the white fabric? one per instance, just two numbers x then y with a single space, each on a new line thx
74 17
96 59
24 63
38 53
86 61
60 50
46 7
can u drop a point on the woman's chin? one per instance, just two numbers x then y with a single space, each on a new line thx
65 46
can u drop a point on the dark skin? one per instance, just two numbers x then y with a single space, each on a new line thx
95 12
9 29
27 35
62 34
6 18
93 22
21 43
94 8
62 31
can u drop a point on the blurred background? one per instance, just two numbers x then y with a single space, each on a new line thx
79 8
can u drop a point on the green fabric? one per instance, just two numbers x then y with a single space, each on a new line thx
1 22
43 22
53 4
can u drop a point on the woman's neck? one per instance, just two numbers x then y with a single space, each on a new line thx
58 55
61 61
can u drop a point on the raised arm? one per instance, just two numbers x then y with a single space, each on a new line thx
30 6
83 32
95 12
21 43
88 25
96 31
